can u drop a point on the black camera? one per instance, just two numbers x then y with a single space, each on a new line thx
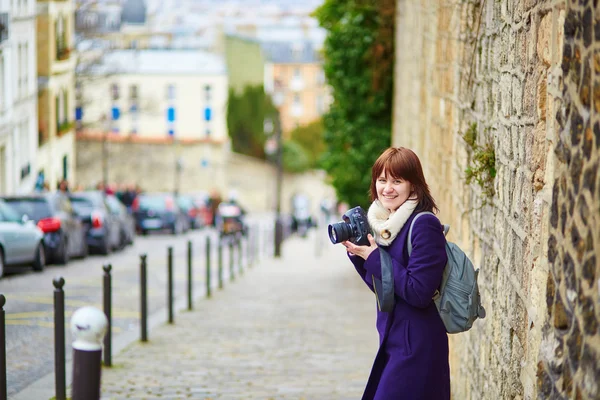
354 228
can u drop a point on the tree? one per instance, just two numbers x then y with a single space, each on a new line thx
359 66
310 139
245 117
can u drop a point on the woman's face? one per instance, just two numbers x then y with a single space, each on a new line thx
392 192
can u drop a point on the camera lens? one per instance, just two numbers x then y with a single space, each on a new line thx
339 232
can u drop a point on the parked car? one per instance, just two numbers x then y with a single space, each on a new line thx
64 234
21 241
102 228
158 211
190 206
126 220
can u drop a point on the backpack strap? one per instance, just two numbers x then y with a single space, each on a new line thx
411 228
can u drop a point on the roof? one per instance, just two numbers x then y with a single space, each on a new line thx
162 62
134 12
301 52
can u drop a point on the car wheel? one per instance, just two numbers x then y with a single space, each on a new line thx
105 248
63 254
85 251
1 263
39 262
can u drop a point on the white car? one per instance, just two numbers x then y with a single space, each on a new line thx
21 241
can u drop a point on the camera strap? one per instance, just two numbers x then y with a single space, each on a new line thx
384 288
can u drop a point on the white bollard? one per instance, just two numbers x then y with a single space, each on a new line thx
88 327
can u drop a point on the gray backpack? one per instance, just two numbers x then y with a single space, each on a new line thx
457 299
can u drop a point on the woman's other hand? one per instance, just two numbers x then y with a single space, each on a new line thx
361 251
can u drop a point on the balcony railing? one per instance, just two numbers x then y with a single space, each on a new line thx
3 27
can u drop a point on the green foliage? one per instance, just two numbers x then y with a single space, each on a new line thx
310 138
295 157
359 67
481 167
245 115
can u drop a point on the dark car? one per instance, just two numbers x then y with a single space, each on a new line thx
64 234
126 220
154 212
194 211
102 228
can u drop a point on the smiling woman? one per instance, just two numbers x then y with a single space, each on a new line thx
413 355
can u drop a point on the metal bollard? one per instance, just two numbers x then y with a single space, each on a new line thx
88 326
108 312
144 298
220 263
3 388
208 266
190 281
231 262
170 284
60 380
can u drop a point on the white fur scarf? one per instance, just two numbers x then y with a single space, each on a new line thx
385 224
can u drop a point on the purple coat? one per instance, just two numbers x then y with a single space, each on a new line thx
412 361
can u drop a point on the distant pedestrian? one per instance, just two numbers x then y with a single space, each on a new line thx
412 361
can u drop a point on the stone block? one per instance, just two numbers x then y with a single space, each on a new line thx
544 38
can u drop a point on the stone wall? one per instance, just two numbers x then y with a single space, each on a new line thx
205 166
487 80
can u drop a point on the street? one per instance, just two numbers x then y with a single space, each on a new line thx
29 295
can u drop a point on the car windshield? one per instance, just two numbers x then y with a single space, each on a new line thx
157 203
83 205
185 202
8 214
34 208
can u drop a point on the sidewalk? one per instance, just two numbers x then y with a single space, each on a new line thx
299 327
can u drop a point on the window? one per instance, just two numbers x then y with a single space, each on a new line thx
133 93
171 92
297 100
25 68
297 73
114 91
20 71
320 77
2 94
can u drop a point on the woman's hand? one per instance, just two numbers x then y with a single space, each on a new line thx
361 251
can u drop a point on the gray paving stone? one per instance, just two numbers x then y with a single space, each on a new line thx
300 327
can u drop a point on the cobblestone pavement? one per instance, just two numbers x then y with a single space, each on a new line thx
299 327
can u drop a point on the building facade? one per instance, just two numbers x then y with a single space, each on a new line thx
5 98
294 77
18 103
156 95
56 67
500 100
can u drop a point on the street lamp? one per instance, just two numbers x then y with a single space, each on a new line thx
278 98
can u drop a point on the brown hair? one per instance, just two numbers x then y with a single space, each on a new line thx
403 163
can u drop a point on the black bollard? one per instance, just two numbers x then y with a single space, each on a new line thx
190 281
88 326
220 263
231 261
208 266
107 311
60 380
3 390
144 298
170 284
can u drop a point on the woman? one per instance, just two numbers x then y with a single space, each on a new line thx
412 361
